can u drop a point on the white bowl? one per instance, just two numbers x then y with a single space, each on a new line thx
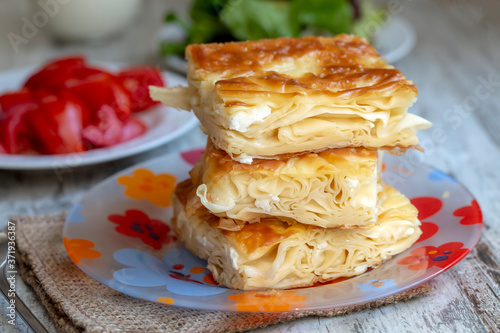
85 20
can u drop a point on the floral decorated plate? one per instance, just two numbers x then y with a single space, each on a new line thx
120 235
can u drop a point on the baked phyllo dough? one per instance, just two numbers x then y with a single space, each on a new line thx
333 188
274 254
287 95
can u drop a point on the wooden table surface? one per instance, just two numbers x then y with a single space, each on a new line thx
457 53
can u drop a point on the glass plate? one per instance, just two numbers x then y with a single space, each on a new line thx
114 235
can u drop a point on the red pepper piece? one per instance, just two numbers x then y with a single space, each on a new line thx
53 76
137 81
58 123
14 132
106 131
99 90
17 100
132 129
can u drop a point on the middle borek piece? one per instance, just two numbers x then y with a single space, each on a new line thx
333 188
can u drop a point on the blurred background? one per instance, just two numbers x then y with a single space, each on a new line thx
132 30
449 48
121 31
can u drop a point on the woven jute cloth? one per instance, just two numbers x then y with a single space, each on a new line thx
78 303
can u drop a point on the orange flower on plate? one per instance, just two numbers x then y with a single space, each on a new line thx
166 300
144 184
266 300
80 248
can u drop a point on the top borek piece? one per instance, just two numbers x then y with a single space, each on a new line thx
288 95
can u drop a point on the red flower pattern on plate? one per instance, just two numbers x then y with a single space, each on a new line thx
137 224
470 214
427 207
443 256
429 229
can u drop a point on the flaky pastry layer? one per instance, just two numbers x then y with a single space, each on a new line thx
274 254
333 188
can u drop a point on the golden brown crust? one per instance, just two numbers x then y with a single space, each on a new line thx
341 50
254 236
346 82
225 163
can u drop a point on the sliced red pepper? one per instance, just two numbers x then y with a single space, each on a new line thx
67 62
106 131
132 129
99 90
67 103
137 81
60 74
58 123
53 76
14 135
14 132
13 101
79 75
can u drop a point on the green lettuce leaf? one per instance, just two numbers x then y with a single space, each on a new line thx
321 16
371 20
205 26
256 19
225 20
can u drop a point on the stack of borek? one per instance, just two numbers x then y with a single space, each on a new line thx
288 192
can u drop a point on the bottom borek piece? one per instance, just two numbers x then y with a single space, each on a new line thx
274 254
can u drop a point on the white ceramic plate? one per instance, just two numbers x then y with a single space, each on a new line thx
164 125
119 234
395 40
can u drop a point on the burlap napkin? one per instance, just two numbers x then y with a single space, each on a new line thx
78 303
